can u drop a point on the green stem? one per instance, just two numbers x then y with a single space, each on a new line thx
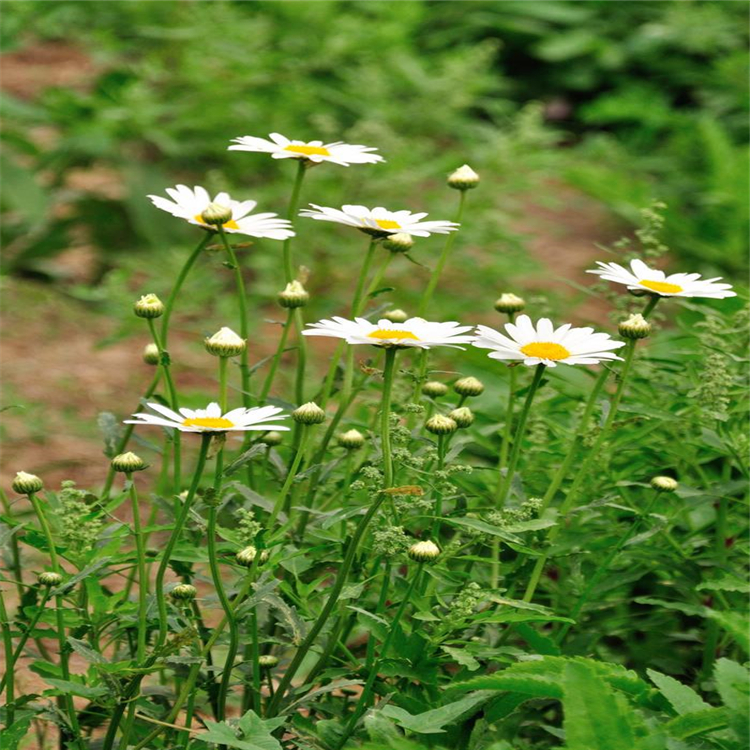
450 239
10 664
223 384
299 378
442 443
291 216
359 299
142 575
385 416
291 474
276 358
510 408
378 278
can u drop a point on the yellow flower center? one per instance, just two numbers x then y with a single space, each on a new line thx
661 286
545 350
216 423
387 224
388 333
308 150
231 224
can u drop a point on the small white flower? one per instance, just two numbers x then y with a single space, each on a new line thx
281 147
189 204
651 280
545 345
211 419
416 332
380 221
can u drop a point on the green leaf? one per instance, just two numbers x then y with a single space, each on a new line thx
735 624
462 657
683 699
698 722
76 688
595 718
432 722
486 528
12 735
83 649
257 450
733 683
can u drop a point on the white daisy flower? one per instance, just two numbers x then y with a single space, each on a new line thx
654 281
281 147
211 419
545 345
416 332
189 203
380 221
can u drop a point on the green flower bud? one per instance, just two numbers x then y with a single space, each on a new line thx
294 295
664 484
425 551
463 416
246 557
225 343
351 440
398 243
309 413
434 389
440 425
151 354
216 215
127 463
396 316
183 592
509 303
27 484
272 438
464 178
149 306
48 578
634 327
267 661
468 387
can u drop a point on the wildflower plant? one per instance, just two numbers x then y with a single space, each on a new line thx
385 547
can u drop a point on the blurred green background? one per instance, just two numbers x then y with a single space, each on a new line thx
576 114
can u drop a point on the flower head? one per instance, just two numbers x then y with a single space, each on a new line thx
652 281
149 306
183 592
50 578
664 484
426 551
27 484
509 303
225 343
380 222
127 463
309 413
211 419
434 389
469 386
464 178
547 345
294 295
396 316
191 203
416 332
315 152
463 416
441 425
151 354
634 327
352 440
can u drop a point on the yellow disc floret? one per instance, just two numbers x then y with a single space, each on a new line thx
388 333
387 224
211 423
545 350
662 287
308 150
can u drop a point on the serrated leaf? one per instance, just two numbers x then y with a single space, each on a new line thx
245 458
433 721
76 688
83 649
698 722
462 657
682 698
733 684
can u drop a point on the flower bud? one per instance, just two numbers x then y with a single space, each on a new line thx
509 303
464 178
440 425
151 354
48 578
216 214
634 327
127 463
468 387
425 551
463 416
398 243
267 661
309 413
246 557
351 440
396 316
149 306
434 389
664 484
272 438
225 343
183 592
294 295
27 484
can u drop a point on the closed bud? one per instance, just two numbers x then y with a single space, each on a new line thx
468 387
246 557
127 463
426 551
225 343
463 416
440 425
434 389
216 214
464 178
149 306
396 316
151 354
183 592
509 303
267 661
351 440
48 578
27 484
294 295
634 327
398 243
664 484
309 413
272 438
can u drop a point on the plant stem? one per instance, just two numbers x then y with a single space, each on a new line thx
276 358
291 474
142 575
10 663
442 443
449 240
385 416
291 216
